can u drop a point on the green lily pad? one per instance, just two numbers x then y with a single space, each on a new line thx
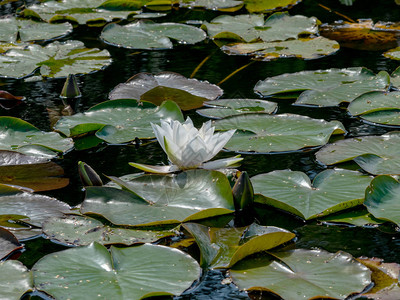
8 243
119 121
30 171
330 192
75 11
27 30
378 155
223 247
15 280
253 6
301 48
393 53
187 93
31 209
123 273
18 135
162 199
82 230
150 35
54 60
325 87
382 198
223 5
356 217
303 274
231 107
250 28
377 107
277 133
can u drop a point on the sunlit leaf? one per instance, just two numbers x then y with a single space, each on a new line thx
356 217
8 243
270 5
223 5
15 280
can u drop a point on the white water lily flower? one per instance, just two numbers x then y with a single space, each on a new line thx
188 147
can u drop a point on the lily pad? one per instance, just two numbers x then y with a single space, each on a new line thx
311 48
75 11
54 60
187 93
292 191
250 28
377 107
18 135
223 5
253 6
382 198
15 280
393 53
231 107
122 273
277 133
8 100
162 199
21 170
150 35
8 243
355 217
119 121
12 29
223 247
324 87
303 274
82 230
378 155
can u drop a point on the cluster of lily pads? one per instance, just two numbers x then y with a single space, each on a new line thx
130 238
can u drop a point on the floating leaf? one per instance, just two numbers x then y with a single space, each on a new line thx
76 11
82 230
8 101
162 199
119 121
356 217
122 273
331 191
8 243
382 198
311 48
250 28
54 60
149 35
187 93
324 87
18 135
270 5
230 107
12 29
377 107
15 279
363 35
377 155
285 132
303 274
223 5
223 247
393 53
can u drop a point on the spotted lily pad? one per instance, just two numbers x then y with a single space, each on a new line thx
393 53
18 135
187 93
223 5
122 273
303 274
82 230
230 107
162 199
54 60
377 107
277 133
331 191
250 28
382 199
223 247
377 155
310 48
119 121
324 87
12 29
76 11
150 35
15 280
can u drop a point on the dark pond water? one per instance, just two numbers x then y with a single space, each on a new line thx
183 59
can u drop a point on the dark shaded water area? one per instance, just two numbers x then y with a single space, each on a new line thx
113 159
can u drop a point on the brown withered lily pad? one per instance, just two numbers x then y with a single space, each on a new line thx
8 100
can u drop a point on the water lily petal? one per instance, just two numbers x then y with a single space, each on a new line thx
222 163
159 133
195 153
174 152
155 169
219 141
